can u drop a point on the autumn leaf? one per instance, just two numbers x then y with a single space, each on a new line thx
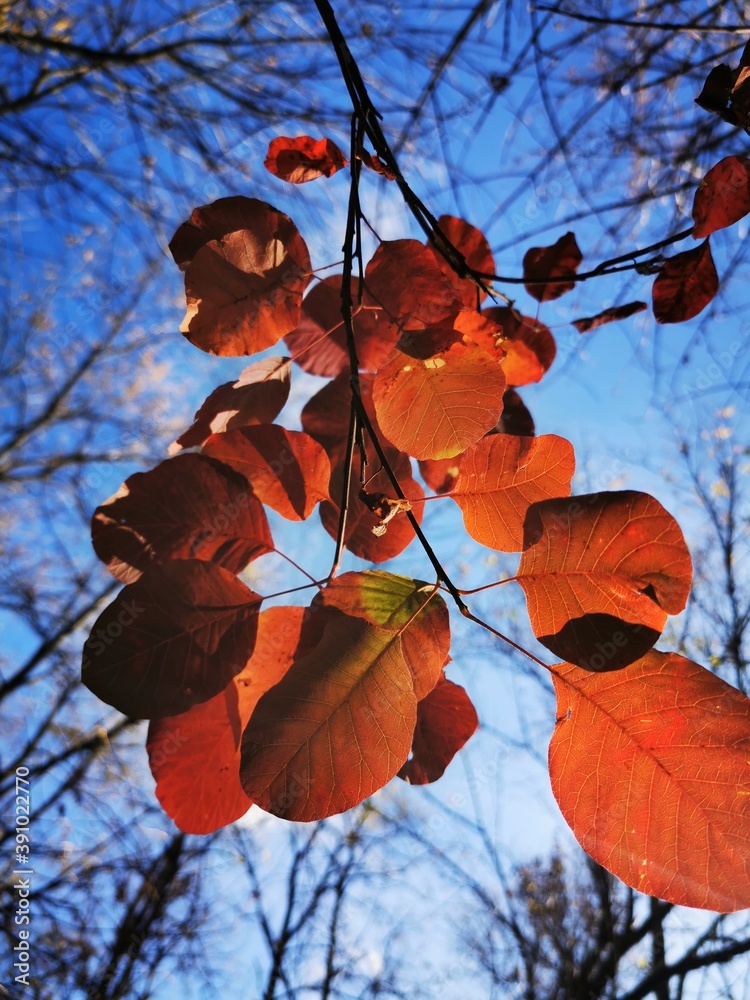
354 690
515 418
174 638
405 279
246 267
257 397
189 507
685 285
649 766
393 601
723 196
527 344
560 261
318 343
374 163
501 476
360 536
287 470
446 719
325 416
195 757
474 248
610 315
303 159
601 573
437 394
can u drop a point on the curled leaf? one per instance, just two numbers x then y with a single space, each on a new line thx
685 285
303 159
559 262
608 316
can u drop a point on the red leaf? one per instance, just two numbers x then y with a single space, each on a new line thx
501 476
600 573
303 159
406 280
360 521
560 261
172 639
373 162
685 285
474 248
392 601
446 719
287 470
608 316
649 767
195 757
319 354
354 691
189 507
325 416
723 196
437 395
440 473
528 344
246 267
257 397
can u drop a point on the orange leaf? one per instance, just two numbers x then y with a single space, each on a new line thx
287 470
559 261
325 416
650 769
437 395
600 573
189 507
723 196
195 757
354 692
374 336
528 345
246 267
174 638
360 521
257 397
303 159
446 719
501 476
406 280
440 473
685 285
608 316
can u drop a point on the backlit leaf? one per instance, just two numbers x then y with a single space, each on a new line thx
195 757
600 573
374 336
246 267
340 723
560 261
649 766
189 507
360 521
608 316
405 278
374 163
325 416
287 470
437 395
174 638
257 397
515 418
392 601
303 159
446 719
685 285
528 345
501 476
